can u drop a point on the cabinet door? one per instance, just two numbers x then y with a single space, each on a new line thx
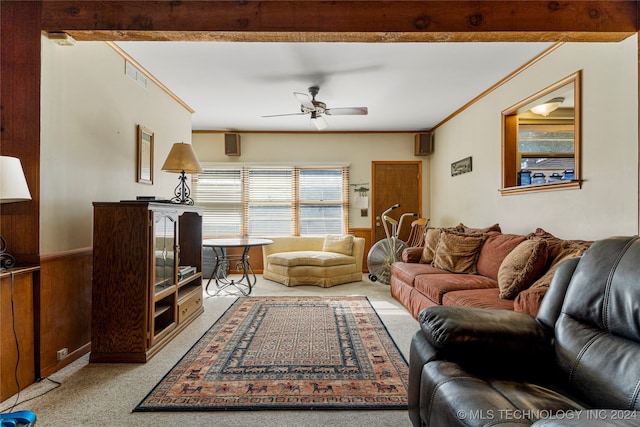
163 309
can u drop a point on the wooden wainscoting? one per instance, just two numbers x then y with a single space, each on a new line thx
365 233
255 259
63 305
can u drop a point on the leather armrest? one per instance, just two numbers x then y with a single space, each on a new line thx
498 341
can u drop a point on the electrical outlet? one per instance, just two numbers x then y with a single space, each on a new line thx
62 353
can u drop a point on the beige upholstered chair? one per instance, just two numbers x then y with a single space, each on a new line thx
321 261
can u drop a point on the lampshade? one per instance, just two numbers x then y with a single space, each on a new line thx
13 184
182 158
548 107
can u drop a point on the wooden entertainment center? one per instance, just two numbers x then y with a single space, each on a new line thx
147 277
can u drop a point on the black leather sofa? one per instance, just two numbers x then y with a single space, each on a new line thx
576 364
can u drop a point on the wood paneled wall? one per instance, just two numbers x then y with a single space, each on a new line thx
365 233
64 308
20 121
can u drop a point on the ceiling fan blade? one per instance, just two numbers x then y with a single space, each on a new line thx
319 122
287 114
304 99
349 111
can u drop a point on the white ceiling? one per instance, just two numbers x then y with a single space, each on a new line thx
406 86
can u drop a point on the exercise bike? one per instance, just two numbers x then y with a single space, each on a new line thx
387 251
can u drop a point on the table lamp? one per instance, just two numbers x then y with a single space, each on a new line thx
13 188
182 159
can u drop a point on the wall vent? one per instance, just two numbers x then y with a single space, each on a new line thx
131 71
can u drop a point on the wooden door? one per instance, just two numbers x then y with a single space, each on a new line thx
395 182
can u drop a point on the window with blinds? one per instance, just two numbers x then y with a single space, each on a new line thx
546 148
271 201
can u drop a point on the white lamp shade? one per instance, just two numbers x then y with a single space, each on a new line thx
13 184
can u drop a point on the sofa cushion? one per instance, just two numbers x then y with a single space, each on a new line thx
341 244
436 286
309 258
522 267
494 251
407 272
479 298
457 252
529 300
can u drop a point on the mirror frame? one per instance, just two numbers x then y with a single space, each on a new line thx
510 140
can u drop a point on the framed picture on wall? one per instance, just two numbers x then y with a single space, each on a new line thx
461 166
145 155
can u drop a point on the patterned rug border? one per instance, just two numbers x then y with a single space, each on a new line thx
216 408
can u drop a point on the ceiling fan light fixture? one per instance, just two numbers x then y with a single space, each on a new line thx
316 109
548 107
318 121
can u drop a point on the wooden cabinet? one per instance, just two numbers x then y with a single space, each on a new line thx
147 277
17 333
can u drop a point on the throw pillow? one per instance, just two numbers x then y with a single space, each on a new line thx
338 244
569 252
554 244
521 267
431 239
472 230
432 236
457 252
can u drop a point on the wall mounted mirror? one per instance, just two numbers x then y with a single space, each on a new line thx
541 140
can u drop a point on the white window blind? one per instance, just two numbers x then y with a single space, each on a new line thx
271 201
320 198
219 192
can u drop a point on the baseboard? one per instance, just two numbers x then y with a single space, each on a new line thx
71 357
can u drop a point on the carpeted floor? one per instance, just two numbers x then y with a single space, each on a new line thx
288 353
104 394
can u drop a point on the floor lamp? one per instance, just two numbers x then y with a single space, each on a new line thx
13 188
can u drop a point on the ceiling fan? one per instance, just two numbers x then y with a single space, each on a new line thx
316 109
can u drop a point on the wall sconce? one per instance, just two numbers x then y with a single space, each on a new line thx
548 107
182 159
13 188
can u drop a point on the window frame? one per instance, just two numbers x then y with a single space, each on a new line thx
295 203
510 151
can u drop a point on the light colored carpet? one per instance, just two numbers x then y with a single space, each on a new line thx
99 394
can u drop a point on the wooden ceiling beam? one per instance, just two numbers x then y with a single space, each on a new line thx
351 20
354 37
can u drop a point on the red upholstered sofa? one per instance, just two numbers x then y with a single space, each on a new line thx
482 268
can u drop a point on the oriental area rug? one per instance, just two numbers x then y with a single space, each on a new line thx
288 353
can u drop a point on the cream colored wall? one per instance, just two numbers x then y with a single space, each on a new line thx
606 205
359 150
90 110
